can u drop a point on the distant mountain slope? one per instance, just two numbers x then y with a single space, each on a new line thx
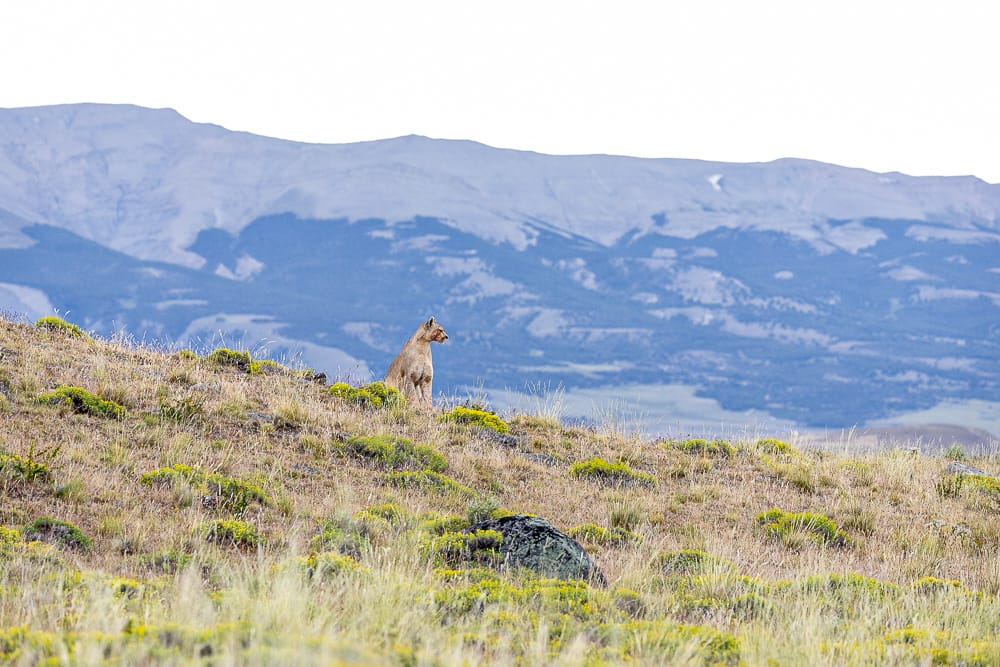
817 294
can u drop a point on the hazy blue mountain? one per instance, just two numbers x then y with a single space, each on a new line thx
812 294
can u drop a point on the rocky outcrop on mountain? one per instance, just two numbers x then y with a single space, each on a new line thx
534 543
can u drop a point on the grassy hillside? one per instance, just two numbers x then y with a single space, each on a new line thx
178 509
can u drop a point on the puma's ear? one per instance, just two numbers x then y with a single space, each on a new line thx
429 323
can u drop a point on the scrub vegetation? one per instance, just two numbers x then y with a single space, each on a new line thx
182 509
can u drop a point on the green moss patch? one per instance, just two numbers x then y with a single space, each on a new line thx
774 446
229 493
223 356
702 447
82 401
328 564
781 525
609 537
428 479
692 561
661 639
452 549
231 532
616 474
60 325
389 512
930 585
28 468
343 535
476 417
848 586
438 524
562 602
270 366
374 395
14 546
63 533
396 453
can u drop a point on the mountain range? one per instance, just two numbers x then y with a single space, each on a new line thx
790 294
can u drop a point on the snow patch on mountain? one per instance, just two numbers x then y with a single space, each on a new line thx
929 293
591 371
655 409
577 270
480 282
544 322
907 273
707 286
854 236
725 321
146 182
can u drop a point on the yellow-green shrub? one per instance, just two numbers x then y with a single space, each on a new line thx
82 401
476 417
611 473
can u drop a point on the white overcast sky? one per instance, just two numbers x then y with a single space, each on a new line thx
887 85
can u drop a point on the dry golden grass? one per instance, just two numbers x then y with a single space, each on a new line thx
284 434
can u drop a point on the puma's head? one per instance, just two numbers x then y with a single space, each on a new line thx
433 331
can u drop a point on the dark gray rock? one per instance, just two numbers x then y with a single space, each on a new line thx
504 439
957 468
5 388
545 459
534 543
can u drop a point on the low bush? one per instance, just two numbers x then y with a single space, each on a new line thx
328 564
609 537
782 525
374 395
28 468
82 401
342 534
774 446
438 525
931 585
476 417
396 453
223 356
47 529
428 479
655 639
691 561
60 325
228 493
388 512
619 474
453 549
700 446
231 532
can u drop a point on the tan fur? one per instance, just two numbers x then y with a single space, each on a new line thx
412 371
